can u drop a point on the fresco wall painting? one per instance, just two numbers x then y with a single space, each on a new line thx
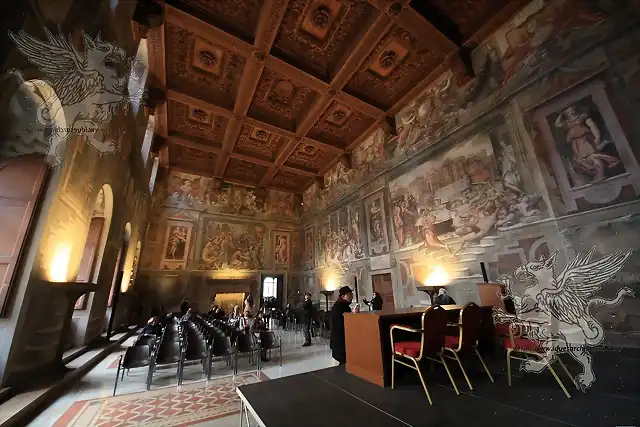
230 245
176 247
281 242
376 217
592 160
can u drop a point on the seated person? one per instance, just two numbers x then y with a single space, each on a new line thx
244 322
443 298
235 316
258 325
152 327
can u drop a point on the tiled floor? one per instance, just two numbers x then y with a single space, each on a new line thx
98 384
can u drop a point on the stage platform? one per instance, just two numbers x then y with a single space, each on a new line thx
333 398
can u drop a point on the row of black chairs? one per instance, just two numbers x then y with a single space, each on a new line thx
242 341
191 342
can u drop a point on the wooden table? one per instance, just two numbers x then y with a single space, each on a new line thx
368 341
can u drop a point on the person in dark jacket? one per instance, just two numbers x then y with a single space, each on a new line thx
340 307
443 298
307 318
153 327
375 303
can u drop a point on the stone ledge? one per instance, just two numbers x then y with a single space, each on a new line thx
34 402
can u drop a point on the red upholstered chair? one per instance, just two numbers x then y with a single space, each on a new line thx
466 340
430 346
521 345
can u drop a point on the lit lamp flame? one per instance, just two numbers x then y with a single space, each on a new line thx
60 264
437 277
331 284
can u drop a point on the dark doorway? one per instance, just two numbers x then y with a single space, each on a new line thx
272 286
383 285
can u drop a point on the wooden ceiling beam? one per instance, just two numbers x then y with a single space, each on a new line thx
158 74
296 75
359 105
366 43
298 171
417 25
183 98
206 31
323 146
250 159
271 15
194 145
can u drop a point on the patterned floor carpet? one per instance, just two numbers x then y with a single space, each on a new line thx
165 407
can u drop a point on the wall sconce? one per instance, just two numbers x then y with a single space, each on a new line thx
326 294
59 266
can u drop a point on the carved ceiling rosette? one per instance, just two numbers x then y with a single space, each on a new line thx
396 65
201 68
318 33
257 142
309 157
279 101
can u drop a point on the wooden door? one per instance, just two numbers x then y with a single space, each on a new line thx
383 285
21 182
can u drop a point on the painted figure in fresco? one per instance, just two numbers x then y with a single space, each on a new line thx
530 41
308 247
427 116
282 247
509 168
177 243
556 308
376 231
586 143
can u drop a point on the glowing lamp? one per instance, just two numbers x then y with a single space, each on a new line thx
59 266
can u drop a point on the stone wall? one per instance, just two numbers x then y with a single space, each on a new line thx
533 162
36 327
202 230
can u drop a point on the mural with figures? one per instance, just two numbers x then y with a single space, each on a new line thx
227 245
461 197
340 237
186 191
535 42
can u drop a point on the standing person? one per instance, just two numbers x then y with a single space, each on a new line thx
248 304
375 303
307 318
340 307
184 307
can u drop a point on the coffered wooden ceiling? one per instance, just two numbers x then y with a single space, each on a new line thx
272 93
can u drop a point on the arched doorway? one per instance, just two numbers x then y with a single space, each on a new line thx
92 255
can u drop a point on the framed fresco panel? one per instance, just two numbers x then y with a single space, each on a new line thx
376 224
230 245
309 256
590 155
176 245
281 248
